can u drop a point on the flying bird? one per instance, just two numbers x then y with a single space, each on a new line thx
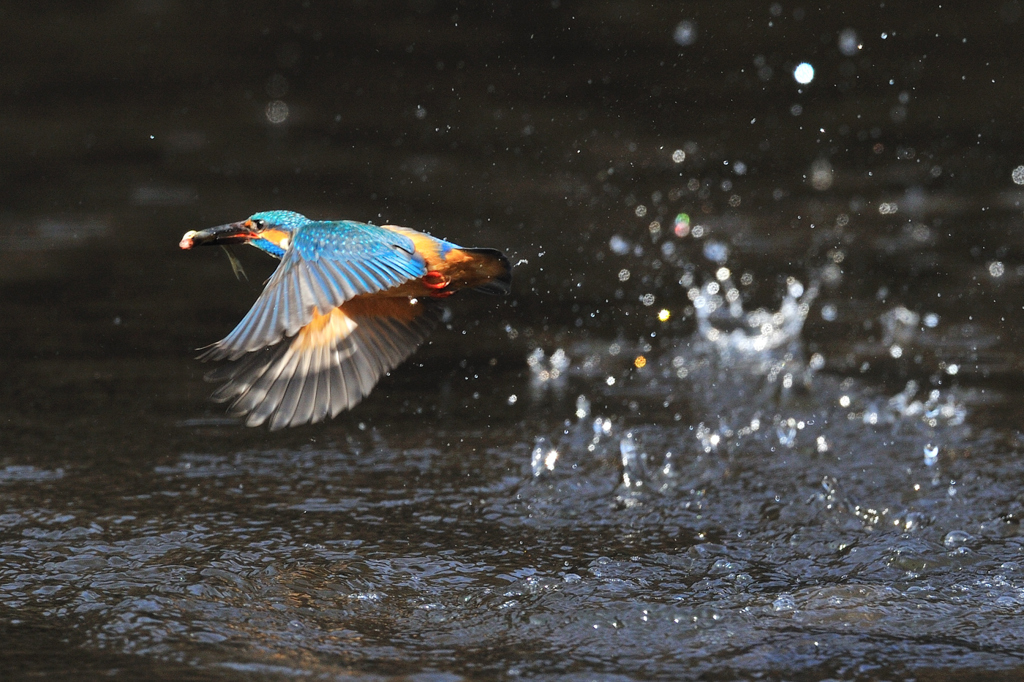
348 303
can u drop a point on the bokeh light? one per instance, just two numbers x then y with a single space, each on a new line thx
803 73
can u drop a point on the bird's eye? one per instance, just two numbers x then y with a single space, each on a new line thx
260 224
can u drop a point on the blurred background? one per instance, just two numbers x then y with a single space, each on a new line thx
768 263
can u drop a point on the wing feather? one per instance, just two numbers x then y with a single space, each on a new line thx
321 399
288 408
275 390
324 268
329 366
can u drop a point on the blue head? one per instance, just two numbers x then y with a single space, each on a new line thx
269 231
274 230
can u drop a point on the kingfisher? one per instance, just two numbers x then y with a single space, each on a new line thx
348 303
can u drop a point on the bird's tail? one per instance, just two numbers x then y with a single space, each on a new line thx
494 268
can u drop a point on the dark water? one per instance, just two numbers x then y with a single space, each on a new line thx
753 410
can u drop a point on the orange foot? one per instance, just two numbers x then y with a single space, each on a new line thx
435 280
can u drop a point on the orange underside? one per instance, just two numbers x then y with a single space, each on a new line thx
328 328
446 274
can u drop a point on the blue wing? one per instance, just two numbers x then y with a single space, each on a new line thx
328 263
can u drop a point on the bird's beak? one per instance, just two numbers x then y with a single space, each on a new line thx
232 233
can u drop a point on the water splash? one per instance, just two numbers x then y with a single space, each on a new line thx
544 456
633 474
547 370
722 320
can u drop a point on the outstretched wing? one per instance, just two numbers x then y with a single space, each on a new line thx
329 366
328 264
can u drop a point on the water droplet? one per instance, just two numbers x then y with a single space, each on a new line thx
957 538
931 454
821 175
716 251
277 112
618 245
681 228
685 33
786 435
544 456
849 43
803 73
582 407
632 462
559 361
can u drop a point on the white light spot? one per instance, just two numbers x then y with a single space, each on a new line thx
618 245
996 268
277 112
1017 175
803 73
678 156
821 175
685 33
849 44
